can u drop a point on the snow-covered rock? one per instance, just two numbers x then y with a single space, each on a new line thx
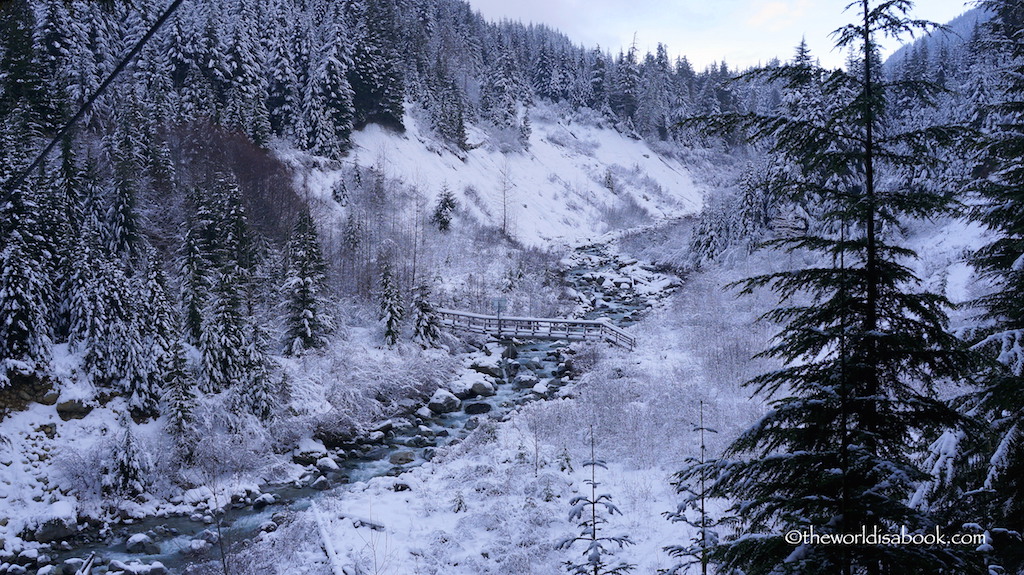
326 464
61 524
141 543
443 401
72 565
484 388
263 500
136 568
488 365
309 451
471 384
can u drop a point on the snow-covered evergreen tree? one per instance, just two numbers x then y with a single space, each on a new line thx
159 328
376 77
179 402
590 511
503 92
222 342
307 320
127 474
123 237
247 86
195 285
862 345
426 325
24 329
445 208
392 312
624 89
693 511
263 391
993 478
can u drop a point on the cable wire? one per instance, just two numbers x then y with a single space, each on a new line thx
18 180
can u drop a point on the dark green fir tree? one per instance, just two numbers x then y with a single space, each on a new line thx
307 321
862 345
991 464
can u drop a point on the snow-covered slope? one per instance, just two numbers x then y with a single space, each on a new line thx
577 179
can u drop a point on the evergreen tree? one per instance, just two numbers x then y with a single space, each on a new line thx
180 402
307 322
502 91
25 88
283 94
694 512
590 511
247 86
130 367
376 77
124 230
863 346
426 326
25 257
127 474
64 204
450 113
106 328
994 474
712 236
392 311
233 242
446 205
331 82
655 94
24 329
159 328
624 91
261 394
195 285
222 342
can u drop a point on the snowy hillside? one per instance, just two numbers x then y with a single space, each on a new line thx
225 337
578 178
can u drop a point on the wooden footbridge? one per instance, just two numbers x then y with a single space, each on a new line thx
536 328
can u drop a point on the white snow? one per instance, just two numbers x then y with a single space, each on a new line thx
311 446
139 538
555 191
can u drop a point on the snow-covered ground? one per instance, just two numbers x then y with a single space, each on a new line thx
497 502
577 179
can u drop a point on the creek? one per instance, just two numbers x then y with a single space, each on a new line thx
606 285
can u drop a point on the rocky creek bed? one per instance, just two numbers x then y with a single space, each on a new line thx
194 526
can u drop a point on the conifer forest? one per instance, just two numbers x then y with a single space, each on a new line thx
340 287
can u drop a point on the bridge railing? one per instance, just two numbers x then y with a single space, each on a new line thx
532 327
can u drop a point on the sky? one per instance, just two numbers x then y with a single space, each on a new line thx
743 33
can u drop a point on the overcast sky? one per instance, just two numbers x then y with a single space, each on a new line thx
741 32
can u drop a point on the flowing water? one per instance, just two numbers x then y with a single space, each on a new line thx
607 286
